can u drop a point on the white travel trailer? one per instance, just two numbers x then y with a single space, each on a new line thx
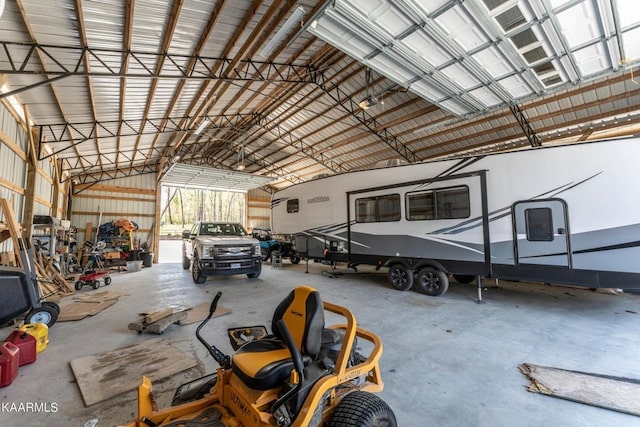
567 214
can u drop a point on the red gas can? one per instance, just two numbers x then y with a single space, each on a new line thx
27 345
9 361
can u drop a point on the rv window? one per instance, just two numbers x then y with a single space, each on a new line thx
452 203
420 206
444 203
293 205
378 209
539 224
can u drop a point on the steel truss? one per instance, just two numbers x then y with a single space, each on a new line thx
525 126
23 58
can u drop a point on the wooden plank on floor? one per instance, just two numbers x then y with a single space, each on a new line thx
201 311
106 375
618 394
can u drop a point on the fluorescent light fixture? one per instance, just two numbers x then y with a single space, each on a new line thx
1 7
293 20
203 125
368 102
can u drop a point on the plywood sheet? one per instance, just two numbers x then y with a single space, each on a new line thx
105 375
618 394
201 311
79 310
87 305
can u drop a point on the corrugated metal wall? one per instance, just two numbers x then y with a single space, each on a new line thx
13 165
133 198
259 209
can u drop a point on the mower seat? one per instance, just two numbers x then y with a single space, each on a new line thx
267 363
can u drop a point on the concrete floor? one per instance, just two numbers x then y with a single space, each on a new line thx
447 361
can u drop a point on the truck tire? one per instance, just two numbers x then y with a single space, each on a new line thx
400 277
362 409
295 259
432 281
196 273
256 273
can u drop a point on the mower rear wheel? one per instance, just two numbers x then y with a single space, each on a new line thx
95 284
400 277
78 285
362 409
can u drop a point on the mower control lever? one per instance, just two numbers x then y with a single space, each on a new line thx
223 360
214 303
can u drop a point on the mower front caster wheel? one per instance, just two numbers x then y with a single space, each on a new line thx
95 284
78 285
107 281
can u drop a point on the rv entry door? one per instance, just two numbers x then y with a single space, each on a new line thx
541 234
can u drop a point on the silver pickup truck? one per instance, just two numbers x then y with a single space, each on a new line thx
220 248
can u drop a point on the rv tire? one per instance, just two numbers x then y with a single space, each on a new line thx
400 277
432 281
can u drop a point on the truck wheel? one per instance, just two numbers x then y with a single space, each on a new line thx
362 409
400 277
256 273
432 281
266 254
295 259
186 262
464 278
196 273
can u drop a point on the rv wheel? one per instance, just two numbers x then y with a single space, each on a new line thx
400 277
432 281
362 409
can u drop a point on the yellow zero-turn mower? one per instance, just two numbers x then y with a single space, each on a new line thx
303 375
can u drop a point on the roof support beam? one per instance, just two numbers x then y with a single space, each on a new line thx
200 67
525 125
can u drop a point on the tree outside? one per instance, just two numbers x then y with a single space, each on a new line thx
181 207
